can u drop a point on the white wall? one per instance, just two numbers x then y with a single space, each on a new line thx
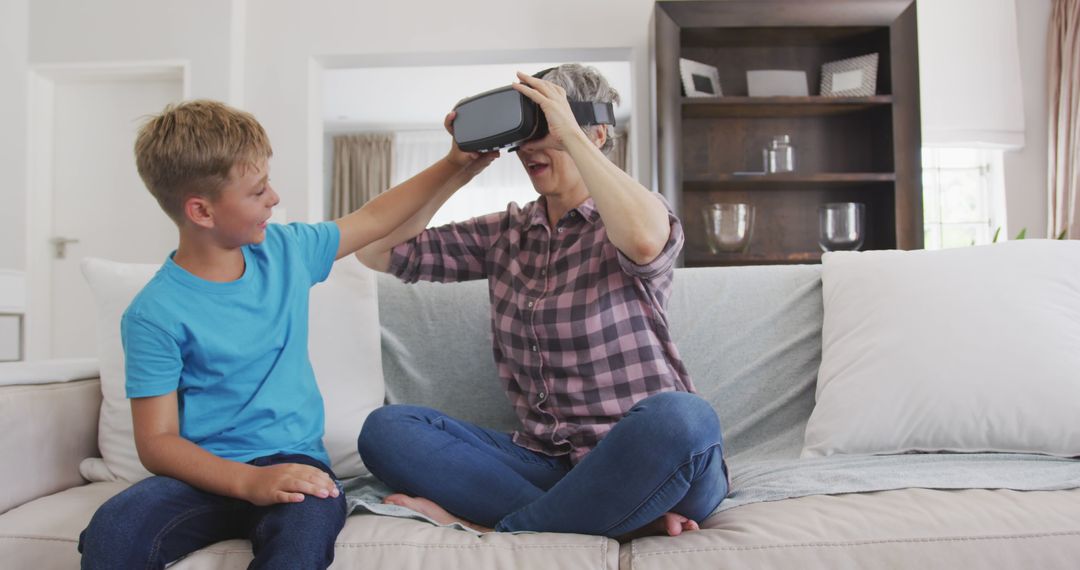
48 33
265 56
198 31
1025 169
14 39
285 37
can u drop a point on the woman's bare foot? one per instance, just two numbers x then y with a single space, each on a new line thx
676 524
430 509
671 524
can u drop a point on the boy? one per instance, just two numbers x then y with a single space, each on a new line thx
226 410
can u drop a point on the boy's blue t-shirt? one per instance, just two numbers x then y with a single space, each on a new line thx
236 353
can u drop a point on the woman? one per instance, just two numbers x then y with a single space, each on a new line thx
612 441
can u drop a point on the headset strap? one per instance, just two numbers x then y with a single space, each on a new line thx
587 112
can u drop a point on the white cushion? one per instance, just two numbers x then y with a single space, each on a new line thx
343 344
114 285
968 349
47 371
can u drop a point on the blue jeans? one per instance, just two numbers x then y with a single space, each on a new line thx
665 454
161 519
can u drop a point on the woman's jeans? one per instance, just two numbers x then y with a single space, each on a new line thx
665 454
161 519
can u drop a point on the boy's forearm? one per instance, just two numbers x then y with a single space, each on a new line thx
376 255
397 206
173 456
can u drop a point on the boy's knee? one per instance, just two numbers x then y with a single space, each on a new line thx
302 533
109 541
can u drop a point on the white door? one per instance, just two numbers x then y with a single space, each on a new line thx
98 197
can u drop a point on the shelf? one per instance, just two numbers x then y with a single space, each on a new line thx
790 181
847 149
771 37
706 258
758 107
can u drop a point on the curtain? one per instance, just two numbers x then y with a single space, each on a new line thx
1064 115
490 191
362 167
619 152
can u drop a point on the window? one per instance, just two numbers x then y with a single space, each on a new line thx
503 182
963 197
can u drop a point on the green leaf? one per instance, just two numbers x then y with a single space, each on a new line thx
1062 234
997 233
1022 234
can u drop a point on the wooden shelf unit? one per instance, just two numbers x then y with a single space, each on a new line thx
756 107
864 149
698 258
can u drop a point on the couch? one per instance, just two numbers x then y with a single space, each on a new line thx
752 338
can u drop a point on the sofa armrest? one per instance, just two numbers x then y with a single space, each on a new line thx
46 430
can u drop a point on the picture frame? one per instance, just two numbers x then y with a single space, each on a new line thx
852 77
699 79
776 83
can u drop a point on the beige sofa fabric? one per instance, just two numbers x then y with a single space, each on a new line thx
908 528
45 431
44 534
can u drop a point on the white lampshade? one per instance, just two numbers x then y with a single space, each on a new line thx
969 74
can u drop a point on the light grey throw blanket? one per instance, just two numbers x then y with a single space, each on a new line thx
751 338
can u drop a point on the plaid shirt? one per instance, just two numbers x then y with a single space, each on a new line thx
580 331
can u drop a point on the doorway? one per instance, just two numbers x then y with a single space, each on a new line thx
87 198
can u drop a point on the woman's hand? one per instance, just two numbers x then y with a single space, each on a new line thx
553 102
471 162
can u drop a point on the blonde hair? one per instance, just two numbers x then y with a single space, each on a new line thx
190 149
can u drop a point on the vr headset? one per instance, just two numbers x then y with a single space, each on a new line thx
503 118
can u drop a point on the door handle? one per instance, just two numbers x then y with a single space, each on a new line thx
60 246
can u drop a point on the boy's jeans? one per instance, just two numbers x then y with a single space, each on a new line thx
161 519
665 454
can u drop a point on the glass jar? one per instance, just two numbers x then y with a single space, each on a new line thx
779 155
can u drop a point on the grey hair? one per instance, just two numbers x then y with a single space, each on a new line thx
585 83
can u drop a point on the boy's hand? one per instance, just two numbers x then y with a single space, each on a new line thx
472 162
287 483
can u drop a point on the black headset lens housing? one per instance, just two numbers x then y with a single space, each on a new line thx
503 118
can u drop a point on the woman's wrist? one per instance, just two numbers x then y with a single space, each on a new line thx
457 159
577 140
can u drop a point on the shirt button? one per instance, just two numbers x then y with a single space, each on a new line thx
530 304
561 230
543 272
534 348
541 395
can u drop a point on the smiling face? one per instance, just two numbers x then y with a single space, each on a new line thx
551 169
243 208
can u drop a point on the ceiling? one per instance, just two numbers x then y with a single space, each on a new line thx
406 98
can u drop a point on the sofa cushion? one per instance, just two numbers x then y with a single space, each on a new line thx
750 337
967 349
436 350
909 528
343 344
45 431
44 534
